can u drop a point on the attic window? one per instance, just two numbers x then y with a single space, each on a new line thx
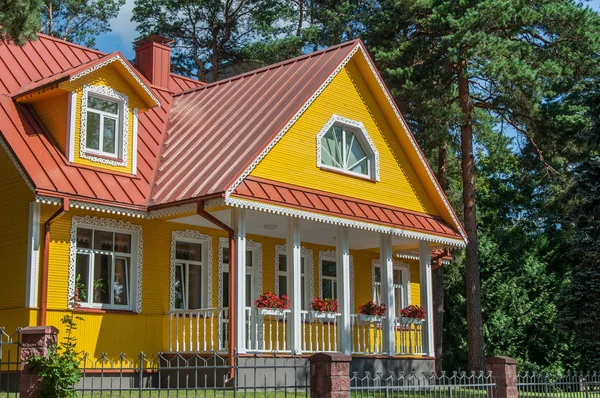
343 145
104 126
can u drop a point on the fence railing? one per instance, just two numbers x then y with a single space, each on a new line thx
203 330
423 385
569 385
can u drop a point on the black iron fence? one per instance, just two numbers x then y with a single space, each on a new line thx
423 385
10 365
567 385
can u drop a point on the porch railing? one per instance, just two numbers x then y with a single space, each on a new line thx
266 330
408 337
319 333
203 330
365 335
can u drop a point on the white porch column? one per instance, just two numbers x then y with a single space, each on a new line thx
294 258
238 223
387 292
343 289
426 297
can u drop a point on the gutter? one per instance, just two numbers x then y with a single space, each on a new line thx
200 210
45 259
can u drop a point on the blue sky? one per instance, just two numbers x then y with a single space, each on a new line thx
123 31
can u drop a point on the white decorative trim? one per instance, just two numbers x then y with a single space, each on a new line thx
134 141
307 254
112 225
412 256
289 124
170 211
330 255
397 265
16 163
190 235
279 135
49 200
71 126
363 138
114 58
33 249
269 208
108 209
123 153
251 245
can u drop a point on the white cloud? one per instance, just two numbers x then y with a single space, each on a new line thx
123 26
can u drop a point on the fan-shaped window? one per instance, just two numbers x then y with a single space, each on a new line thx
344 145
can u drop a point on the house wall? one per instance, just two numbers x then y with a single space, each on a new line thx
294 159
113 332
15 197
53 112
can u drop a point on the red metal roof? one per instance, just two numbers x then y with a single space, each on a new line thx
46 166
217 130
266 191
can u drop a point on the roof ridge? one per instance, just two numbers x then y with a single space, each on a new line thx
271 67
71 44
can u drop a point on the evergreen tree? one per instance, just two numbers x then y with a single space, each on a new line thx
20 20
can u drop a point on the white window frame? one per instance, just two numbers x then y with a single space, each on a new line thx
110 225
397 266
364 140
122 135
257 260
307 255
205 241
330 255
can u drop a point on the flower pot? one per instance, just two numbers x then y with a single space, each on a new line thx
323 316
369 318
276 312
409 321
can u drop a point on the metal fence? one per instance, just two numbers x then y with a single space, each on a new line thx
423 385
10 364
568 385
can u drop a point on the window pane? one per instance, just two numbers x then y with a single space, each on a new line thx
356 157
225 255
225 291
102 266
377 293
249 258
109 135
331 147
329 268
377 275
399 297
82 273
84 238
397 277
249 298
282 263
121 281
282 284
92 134
103 240
302 265
122 243
303 303
179 284
103 105
188 251
195 286
329 289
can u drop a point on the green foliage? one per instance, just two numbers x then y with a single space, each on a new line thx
20 20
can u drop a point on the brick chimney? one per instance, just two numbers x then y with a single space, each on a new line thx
153 59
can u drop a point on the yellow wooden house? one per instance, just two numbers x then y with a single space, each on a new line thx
166 206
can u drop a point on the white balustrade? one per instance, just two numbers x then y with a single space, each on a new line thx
319 331
365 334
408 337
202 330
266 329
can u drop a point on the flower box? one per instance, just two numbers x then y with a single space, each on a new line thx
411 321
323 316
276 312
369 318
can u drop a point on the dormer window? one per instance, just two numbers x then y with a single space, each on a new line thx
343 145
104 126
102 135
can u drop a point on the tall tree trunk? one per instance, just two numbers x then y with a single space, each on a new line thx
437 275
475 343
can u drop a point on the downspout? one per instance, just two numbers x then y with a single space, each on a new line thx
45 259
232 296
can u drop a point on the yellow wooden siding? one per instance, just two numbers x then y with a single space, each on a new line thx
108 76
15 197
113 332
53 112
293 160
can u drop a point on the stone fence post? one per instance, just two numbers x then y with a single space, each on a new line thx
330 375
35 340
504 370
